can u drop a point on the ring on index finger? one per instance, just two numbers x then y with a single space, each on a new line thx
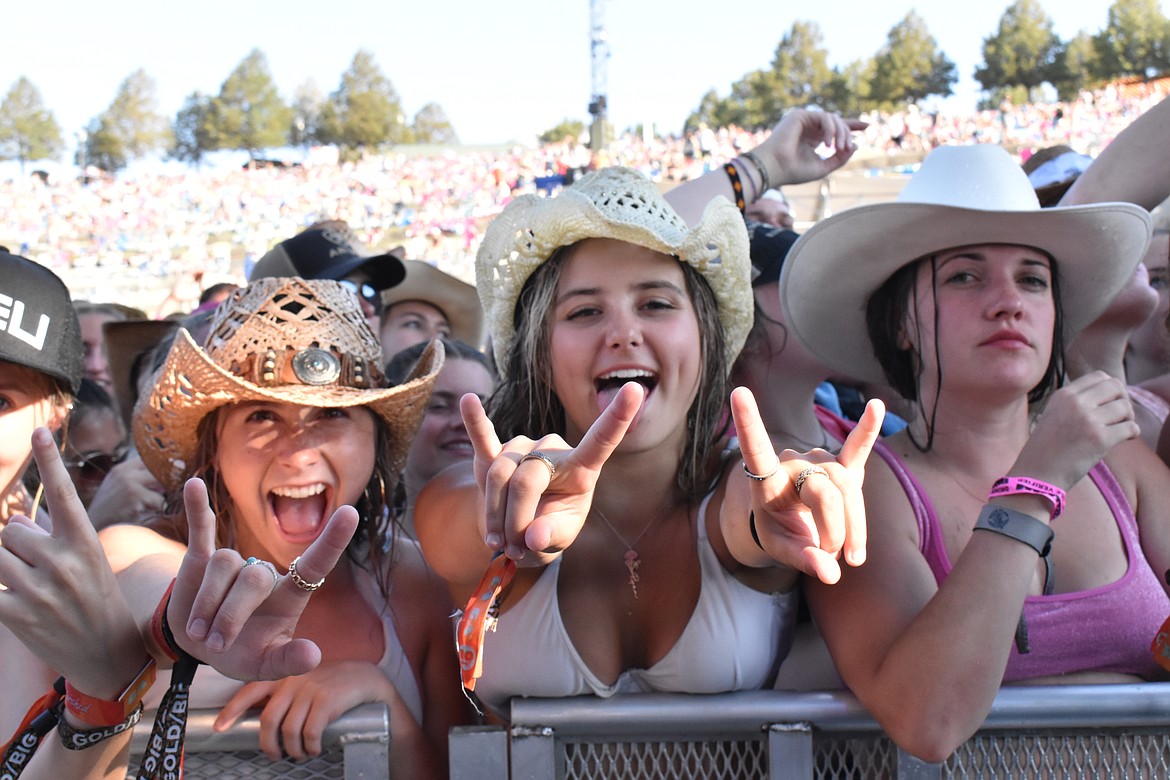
254 561
300 581
802 476
760 477
545 459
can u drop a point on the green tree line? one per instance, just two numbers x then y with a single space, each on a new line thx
365 113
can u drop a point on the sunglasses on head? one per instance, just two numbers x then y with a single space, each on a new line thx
363 290
97 464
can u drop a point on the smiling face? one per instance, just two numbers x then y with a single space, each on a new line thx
442 438
995 316
288 467
622 313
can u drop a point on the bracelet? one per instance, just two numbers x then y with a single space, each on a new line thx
1016 525
736 186
160 629
80 739
103 713
1010 486
765 183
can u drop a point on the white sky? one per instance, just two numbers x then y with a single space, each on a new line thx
502 71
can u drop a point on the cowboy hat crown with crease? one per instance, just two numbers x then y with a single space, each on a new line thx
622 204
961 196
288 340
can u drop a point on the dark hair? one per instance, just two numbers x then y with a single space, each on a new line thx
91 397
524 403
401 363
887 316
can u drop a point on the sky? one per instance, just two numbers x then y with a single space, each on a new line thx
502 71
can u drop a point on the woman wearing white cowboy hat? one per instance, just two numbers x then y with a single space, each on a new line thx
961 294
268 439
601 473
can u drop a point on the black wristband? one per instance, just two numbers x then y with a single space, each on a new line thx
80 739
1016 525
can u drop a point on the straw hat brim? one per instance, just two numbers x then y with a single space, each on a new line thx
190 386
836 266
457 299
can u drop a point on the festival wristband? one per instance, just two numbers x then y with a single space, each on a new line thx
160 629
102 713
1016 525
1009 486
80 739
480 614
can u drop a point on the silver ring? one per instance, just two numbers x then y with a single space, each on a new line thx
545 459
761 477
802 476
254 561
300 581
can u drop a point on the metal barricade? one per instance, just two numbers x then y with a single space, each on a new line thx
356 746
1031 732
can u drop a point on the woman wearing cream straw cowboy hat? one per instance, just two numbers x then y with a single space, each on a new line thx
601 473
285 418
1017 528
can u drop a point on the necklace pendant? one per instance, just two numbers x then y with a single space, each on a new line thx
632 564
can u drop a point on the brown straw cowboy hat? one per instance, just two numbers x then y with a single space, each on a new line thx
283 339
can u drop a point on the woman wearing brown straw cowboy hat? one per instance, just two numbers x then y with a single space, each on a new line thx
601 472
284 416
1017 528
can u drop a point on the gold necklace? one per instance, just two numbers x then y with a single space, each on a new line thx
632 560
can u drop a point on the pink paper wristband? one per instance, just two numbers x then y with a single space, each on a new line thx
1008 486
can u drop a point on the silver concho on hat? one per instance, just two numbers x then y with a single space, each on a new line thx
315 366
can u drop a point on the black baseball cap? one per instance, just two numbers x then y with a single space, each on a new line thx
326 251
38 326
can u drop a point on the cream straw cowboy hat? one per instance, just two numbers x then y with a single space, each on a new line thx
622 204
279 339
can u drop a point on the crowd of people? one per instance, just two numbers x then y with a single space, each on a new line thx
662 443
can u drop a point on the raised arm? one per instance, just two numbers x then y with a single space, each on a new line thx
789 156
1134 167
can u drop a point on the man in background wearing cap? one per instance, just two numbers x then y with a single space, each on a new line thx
325 250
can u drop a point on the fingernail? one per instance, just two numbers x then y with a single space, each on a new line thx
197 629
855 558
492 541
214 641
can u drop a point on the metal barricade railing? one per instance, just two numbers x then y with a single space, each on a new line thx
356 746
1032 732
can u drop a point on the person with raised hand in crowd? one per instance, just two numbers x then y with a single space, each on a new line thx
276 430
650 559
1017 532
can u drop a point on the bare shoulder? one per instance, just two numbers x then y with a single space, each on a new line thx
125 544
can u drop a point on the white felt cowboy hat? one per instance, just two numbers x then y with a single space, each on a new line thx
961 196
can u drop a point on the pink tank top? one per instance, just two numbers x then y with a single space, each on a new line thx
1105 629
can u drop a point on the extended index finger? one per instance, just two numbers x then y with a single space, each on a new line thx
480 430
754 443
68 513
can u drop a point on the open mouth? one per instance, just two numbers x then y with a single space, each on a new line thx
608 384
300 510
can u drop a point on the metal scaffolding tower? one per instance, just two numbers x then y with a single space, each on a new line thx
598 57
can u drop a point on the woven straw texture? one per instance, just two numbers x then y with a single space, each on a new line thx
622 204
252 352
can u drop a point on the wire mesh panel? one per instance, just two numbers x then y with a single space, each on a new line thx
254 765
744 759
1097 754
839 756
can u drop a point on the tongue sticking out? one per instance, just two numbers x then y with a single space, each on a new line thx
299 516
